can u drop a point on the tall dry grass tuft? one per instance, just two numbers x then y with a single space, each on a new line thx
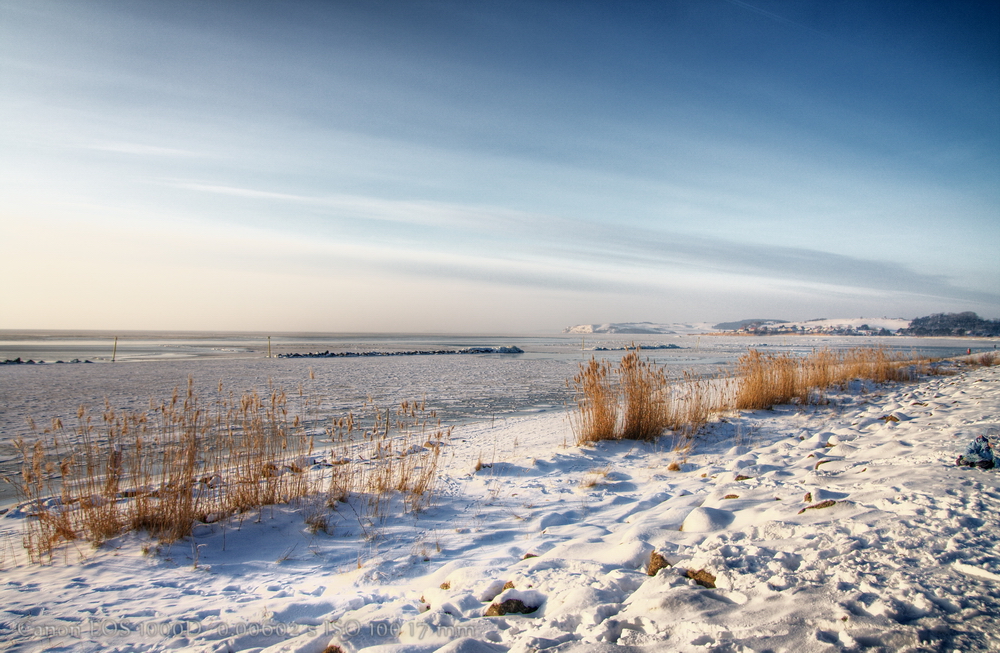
644 412
693 401
636 400
987 359
183 462
818 374
769 379
51 525
397 458
597 402
876 364
766 380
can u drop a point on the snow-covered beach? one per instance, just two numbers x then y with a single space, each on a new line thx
436 326
841 526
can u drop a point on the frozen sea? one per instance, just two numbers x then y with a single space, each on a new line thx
149 366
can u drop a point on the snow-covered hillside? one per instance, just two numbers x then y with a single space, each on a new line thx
639 328
841 326
867 323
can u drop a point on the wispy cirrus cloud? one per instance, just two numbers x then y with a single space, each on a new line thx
572 254
414 212
141 149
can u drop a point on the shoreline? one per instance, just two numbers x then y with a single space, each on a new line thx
195 346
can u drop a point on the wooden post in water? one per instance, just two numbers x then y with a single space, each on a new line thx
114 350
269 346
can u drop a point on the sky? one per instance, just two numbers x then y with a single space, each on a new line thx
508 167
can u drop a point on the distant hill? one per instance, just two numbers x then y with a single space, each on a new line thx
953 324
742 324
857 326
940 324
641 328
849 326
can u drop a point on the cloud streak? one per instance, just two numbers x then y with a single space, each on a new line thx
578 255
141 150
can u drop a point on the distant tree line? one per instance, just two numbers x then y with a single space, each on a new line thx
952 324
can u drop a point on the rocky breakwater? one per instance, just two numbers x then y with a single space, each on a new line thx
418 352
18 361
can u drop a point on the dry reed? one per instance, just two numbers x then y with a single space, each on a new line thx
180 463
597 401
767 379
987 359
644 411
636 400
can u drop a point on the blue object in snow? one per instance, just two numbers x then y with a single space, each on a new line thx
978 453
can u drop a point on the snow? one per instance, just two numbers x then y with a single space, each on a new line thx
887 323
639 328
825 528
692 328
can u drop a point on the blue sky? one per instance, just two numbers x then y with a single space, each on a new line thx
495 166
